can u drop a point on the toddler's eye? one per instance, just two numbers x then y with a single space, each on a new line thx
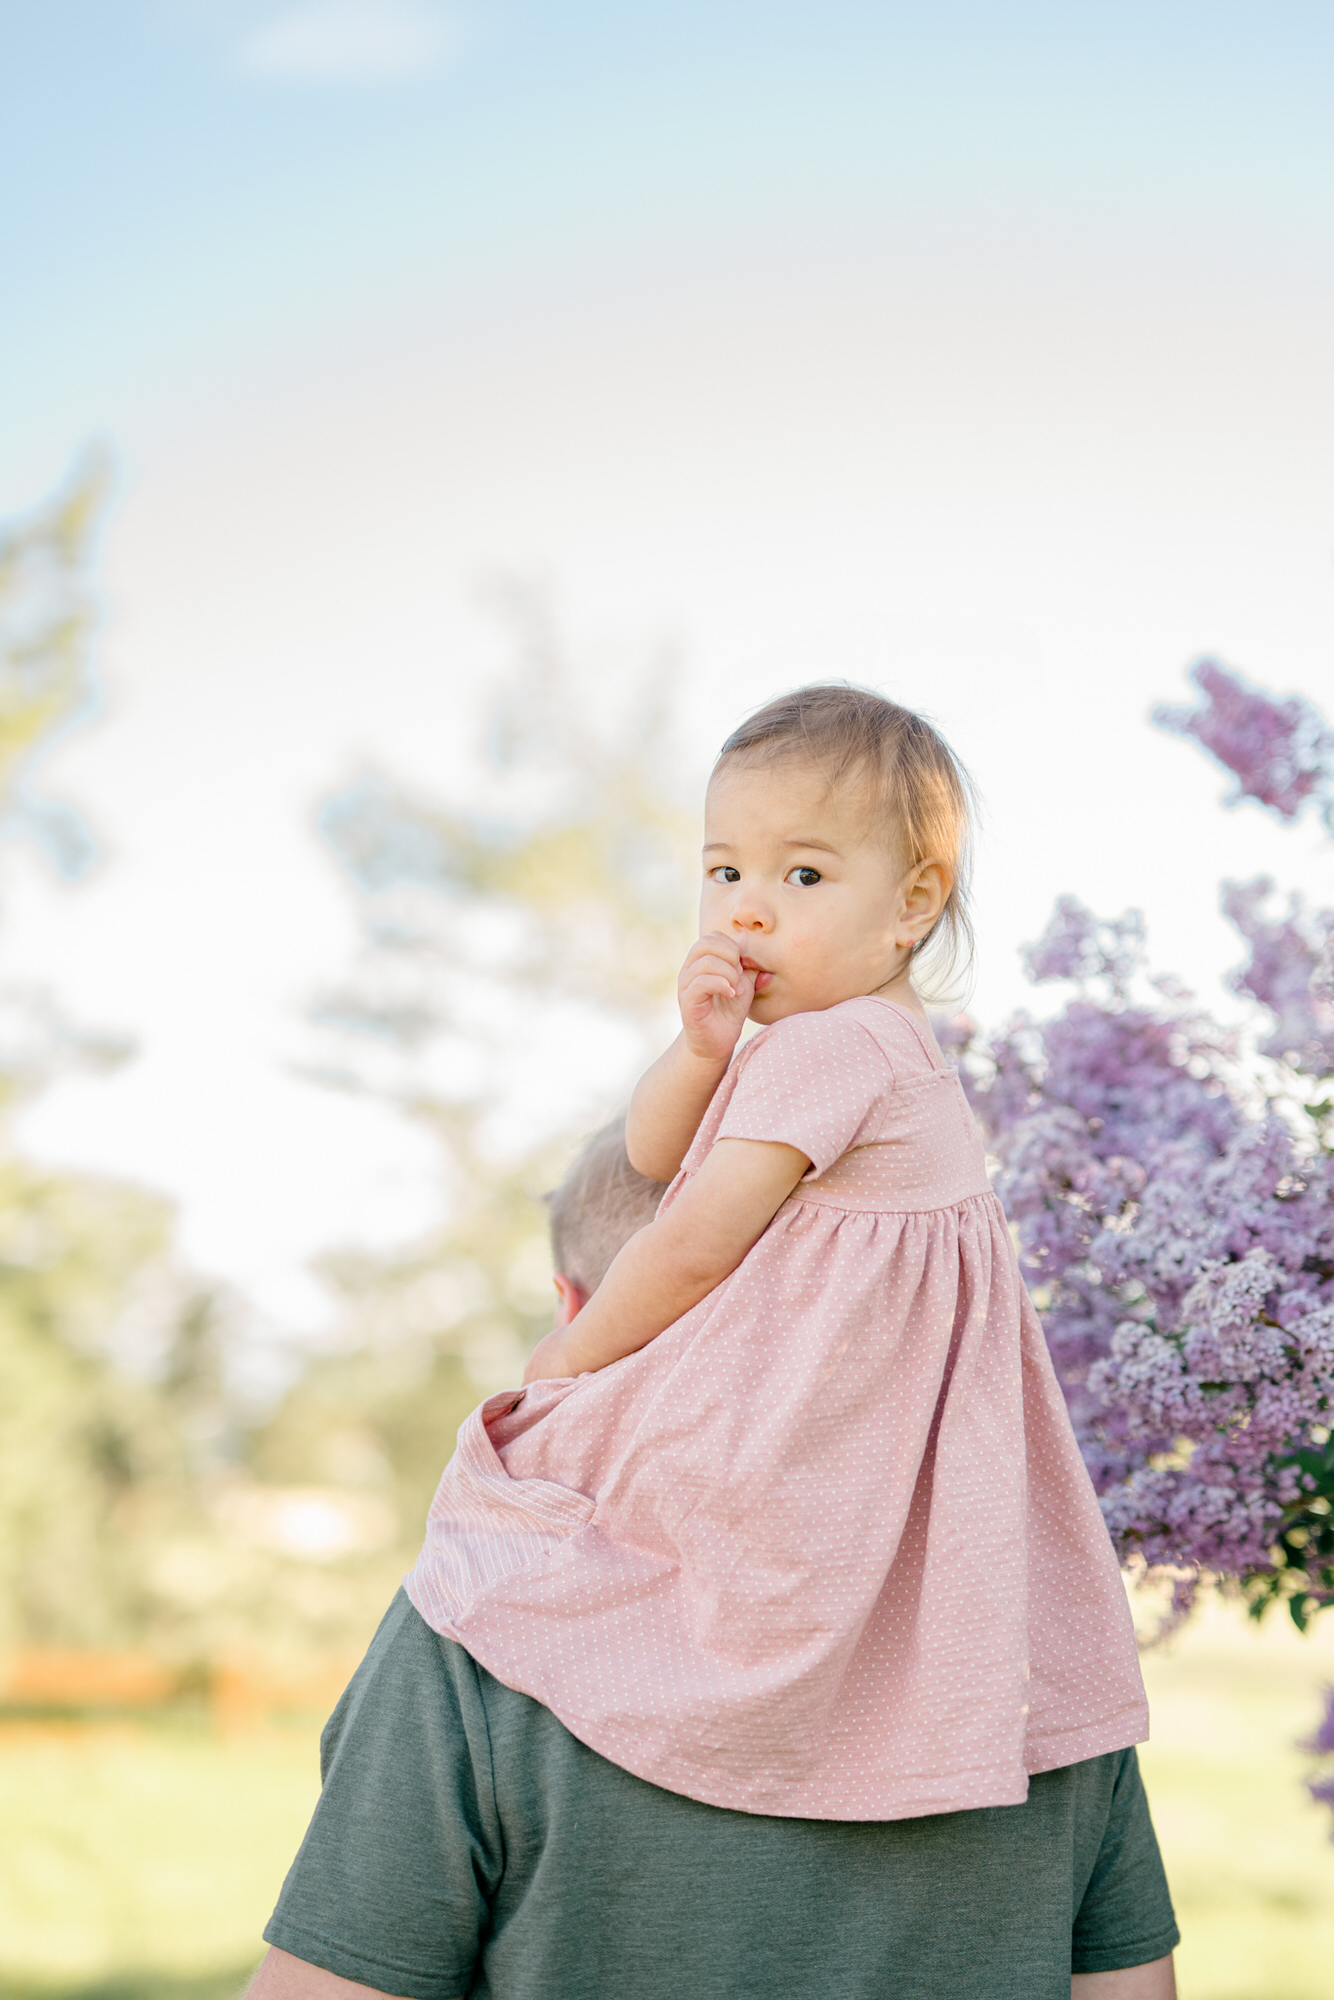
805 878
725 873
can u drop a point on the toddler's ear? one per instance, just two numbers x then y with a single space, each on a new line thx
570 1299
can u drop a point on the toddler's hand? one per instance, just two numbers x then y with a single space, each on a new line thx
715 996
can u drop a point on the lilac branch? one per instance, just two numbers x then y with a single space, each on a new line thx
1281 753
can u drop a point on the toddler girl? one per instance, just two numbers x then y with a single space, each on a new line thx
820 1542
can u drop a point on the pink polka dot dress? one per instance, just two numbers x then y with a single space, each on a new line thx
826 1547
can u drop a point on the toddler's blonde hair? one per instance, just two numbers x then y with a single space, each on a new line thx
919 795
598 1206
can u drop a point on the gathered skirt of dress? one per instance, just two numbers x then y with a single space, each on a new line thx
826 1547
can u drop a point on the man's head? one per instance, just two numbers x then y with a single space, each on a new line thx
598 1206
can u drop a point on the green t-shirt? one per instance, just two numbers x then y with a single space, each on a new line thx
466 1844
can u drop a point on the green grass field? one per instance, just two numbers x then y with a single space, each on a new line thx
139 1860
1248 1853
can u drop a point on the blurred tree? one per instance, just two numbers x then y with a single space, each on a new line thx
46 614
93 1470
110 1394
518 956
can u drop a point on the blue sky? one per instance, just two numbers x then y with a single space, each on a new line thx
183 198
978 351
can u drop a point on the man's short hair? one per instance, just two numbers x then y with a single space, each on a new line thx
598 1206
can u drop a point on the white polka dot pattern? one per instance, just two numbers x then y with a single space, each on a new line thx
826 1548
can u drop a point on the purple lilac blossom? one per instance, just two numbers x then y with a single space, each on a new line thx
1078 945
1321 1744
1180 1248
1290 971
1322 1791
1178 1236
1280 752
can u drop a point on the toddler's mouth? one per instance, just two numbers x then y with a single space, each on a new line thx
764 979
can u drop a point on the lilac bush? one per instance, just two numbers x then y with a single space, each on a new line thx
1174 1204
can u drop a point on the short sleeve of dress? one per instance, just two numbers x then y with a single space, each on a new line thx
818 1082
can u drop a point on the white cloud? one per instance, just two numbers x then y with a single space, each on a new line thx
347 41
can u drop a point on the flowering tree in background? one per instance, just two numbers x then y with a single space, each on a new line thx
1174 1201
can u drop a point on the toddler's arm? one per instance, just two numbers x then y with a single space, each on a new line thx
715 996
670 1266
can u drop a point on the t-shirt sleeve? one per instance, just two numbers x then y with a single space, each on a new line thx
818 1082
393 1882
1125 1915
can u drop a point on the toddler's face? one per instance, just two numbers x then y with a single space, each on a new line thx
793 877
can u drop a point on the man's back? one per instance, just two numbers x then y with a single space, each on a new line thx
466 1843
